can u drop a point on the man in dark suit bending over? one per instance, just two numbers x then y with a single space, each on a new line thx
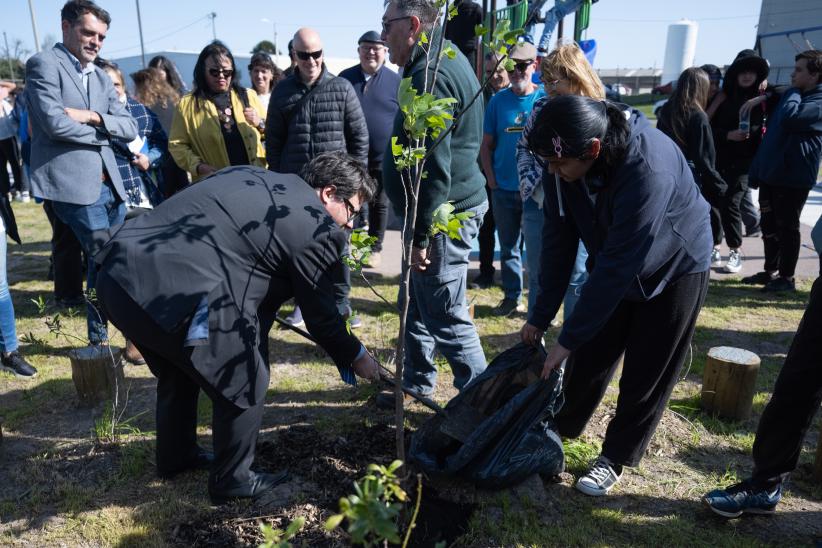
217 261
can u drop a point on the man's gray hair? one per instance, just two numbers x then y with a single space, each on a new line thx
425 10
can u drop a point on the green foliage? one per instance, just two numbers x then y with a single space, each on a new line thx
109 429
373 510
447 222
265 46
579 454
359 249
278 538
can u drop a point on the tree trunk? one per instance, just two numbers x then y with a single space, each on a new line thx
729 382
97 372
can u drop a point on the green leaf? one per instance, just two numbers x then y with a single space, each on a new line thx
396 149
424 38
333 522
480 30
449 52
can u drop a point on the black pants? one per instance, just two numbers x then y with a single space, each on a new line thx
378 211
729 208
796 397
781 207
751 216
66 258
487 239
655 337
235 429
9 155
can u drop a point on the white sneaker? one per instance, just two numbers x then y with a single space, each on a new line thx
599 479
24 197
716 258
734 263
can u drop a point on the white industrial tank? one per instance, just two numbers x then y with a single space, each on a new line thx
680 49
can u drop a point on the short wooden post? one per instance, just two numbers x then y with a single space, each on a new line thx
817 464
97 373
729 382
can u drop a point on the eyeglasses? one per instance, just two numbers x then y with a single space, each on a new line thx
522 66
306 55
352 212
386 24
552 84
372 47
216 73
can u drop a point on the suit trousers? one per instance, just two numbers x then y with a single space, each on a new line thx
781 207
796 397
655 337
234 429
66 258
378 211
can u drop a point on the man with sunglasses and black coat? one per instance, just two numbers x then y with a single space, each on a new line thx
311 112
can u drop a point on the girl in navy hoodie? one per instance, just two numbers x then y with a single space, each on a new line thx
626 190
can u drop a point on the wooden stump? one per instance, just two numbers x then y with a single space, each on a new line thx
817 465
96 376
729 381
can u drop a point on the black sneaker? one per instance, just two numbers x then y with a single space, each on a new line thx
506 307
760 278
14 363
483 281
743 498
600 478
777 285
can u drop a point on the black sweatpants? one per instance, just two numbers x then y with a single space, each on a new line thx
655 337
378 211
487 240
781 207
234 429
729 208
796 397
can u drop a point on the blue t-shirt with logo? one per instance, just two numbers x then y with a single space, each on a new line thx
505 118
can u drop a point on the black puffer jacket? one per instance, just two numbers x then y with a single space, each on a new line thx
330 119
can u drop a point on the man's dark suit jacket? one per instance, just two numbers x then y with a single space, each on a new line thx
248 239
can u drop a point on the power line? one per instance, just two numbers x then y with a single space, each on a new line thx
172 33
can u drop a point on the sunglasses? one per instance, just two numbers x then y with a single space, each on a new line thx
216 73
522 66
386 24
306 55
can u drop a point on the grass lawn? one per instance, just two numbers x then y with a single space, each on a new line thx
62 485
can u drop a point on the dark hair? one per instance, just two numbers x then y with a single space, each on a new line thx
424 10
690 95
105 64
262 59
73 10
214 49
341 170
291 48
714 73
813 57
577 121
172 74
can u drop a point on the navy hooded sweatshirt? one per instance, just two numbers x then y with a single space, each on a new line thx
645 226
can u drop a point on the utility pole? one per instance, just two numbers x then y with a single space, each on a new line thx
140 28
34 28
213 16
8 57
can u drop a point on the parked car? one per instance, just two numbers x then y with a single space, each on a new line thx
612 94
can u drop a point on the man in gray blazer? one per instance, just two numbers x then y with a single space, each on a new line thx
74 112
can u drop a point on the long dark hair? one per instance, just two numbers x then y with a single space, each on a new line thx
215 49
690 95
568 124
172 74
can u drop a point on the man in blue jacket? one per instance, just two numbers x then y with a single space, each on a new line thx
376 86
785 168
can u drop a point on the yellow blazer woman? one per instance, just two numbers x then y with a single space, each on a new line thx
196 136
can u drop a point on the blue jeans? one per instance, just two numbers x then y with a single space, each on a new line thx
508 217
578 277
552 17
8 334
532 219
438 313
106 212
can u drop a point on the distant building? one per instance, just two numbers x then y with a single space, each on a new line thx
787 27
635 81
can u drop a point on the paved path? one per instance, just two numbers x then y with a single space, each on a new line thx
808 266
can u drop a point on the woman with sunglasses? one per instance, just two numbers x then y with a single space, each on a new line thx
219 123
626 190
564 71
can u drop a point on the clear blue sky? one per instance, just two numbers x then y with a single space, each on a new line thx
630 33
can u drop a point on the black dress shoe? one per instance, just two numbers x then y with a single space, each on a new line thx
259 483
202 461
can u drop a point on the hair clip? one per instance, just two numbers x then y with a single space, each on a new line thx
557 146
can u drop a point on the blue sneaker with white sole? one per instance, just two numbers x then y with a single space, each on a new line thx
743 498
